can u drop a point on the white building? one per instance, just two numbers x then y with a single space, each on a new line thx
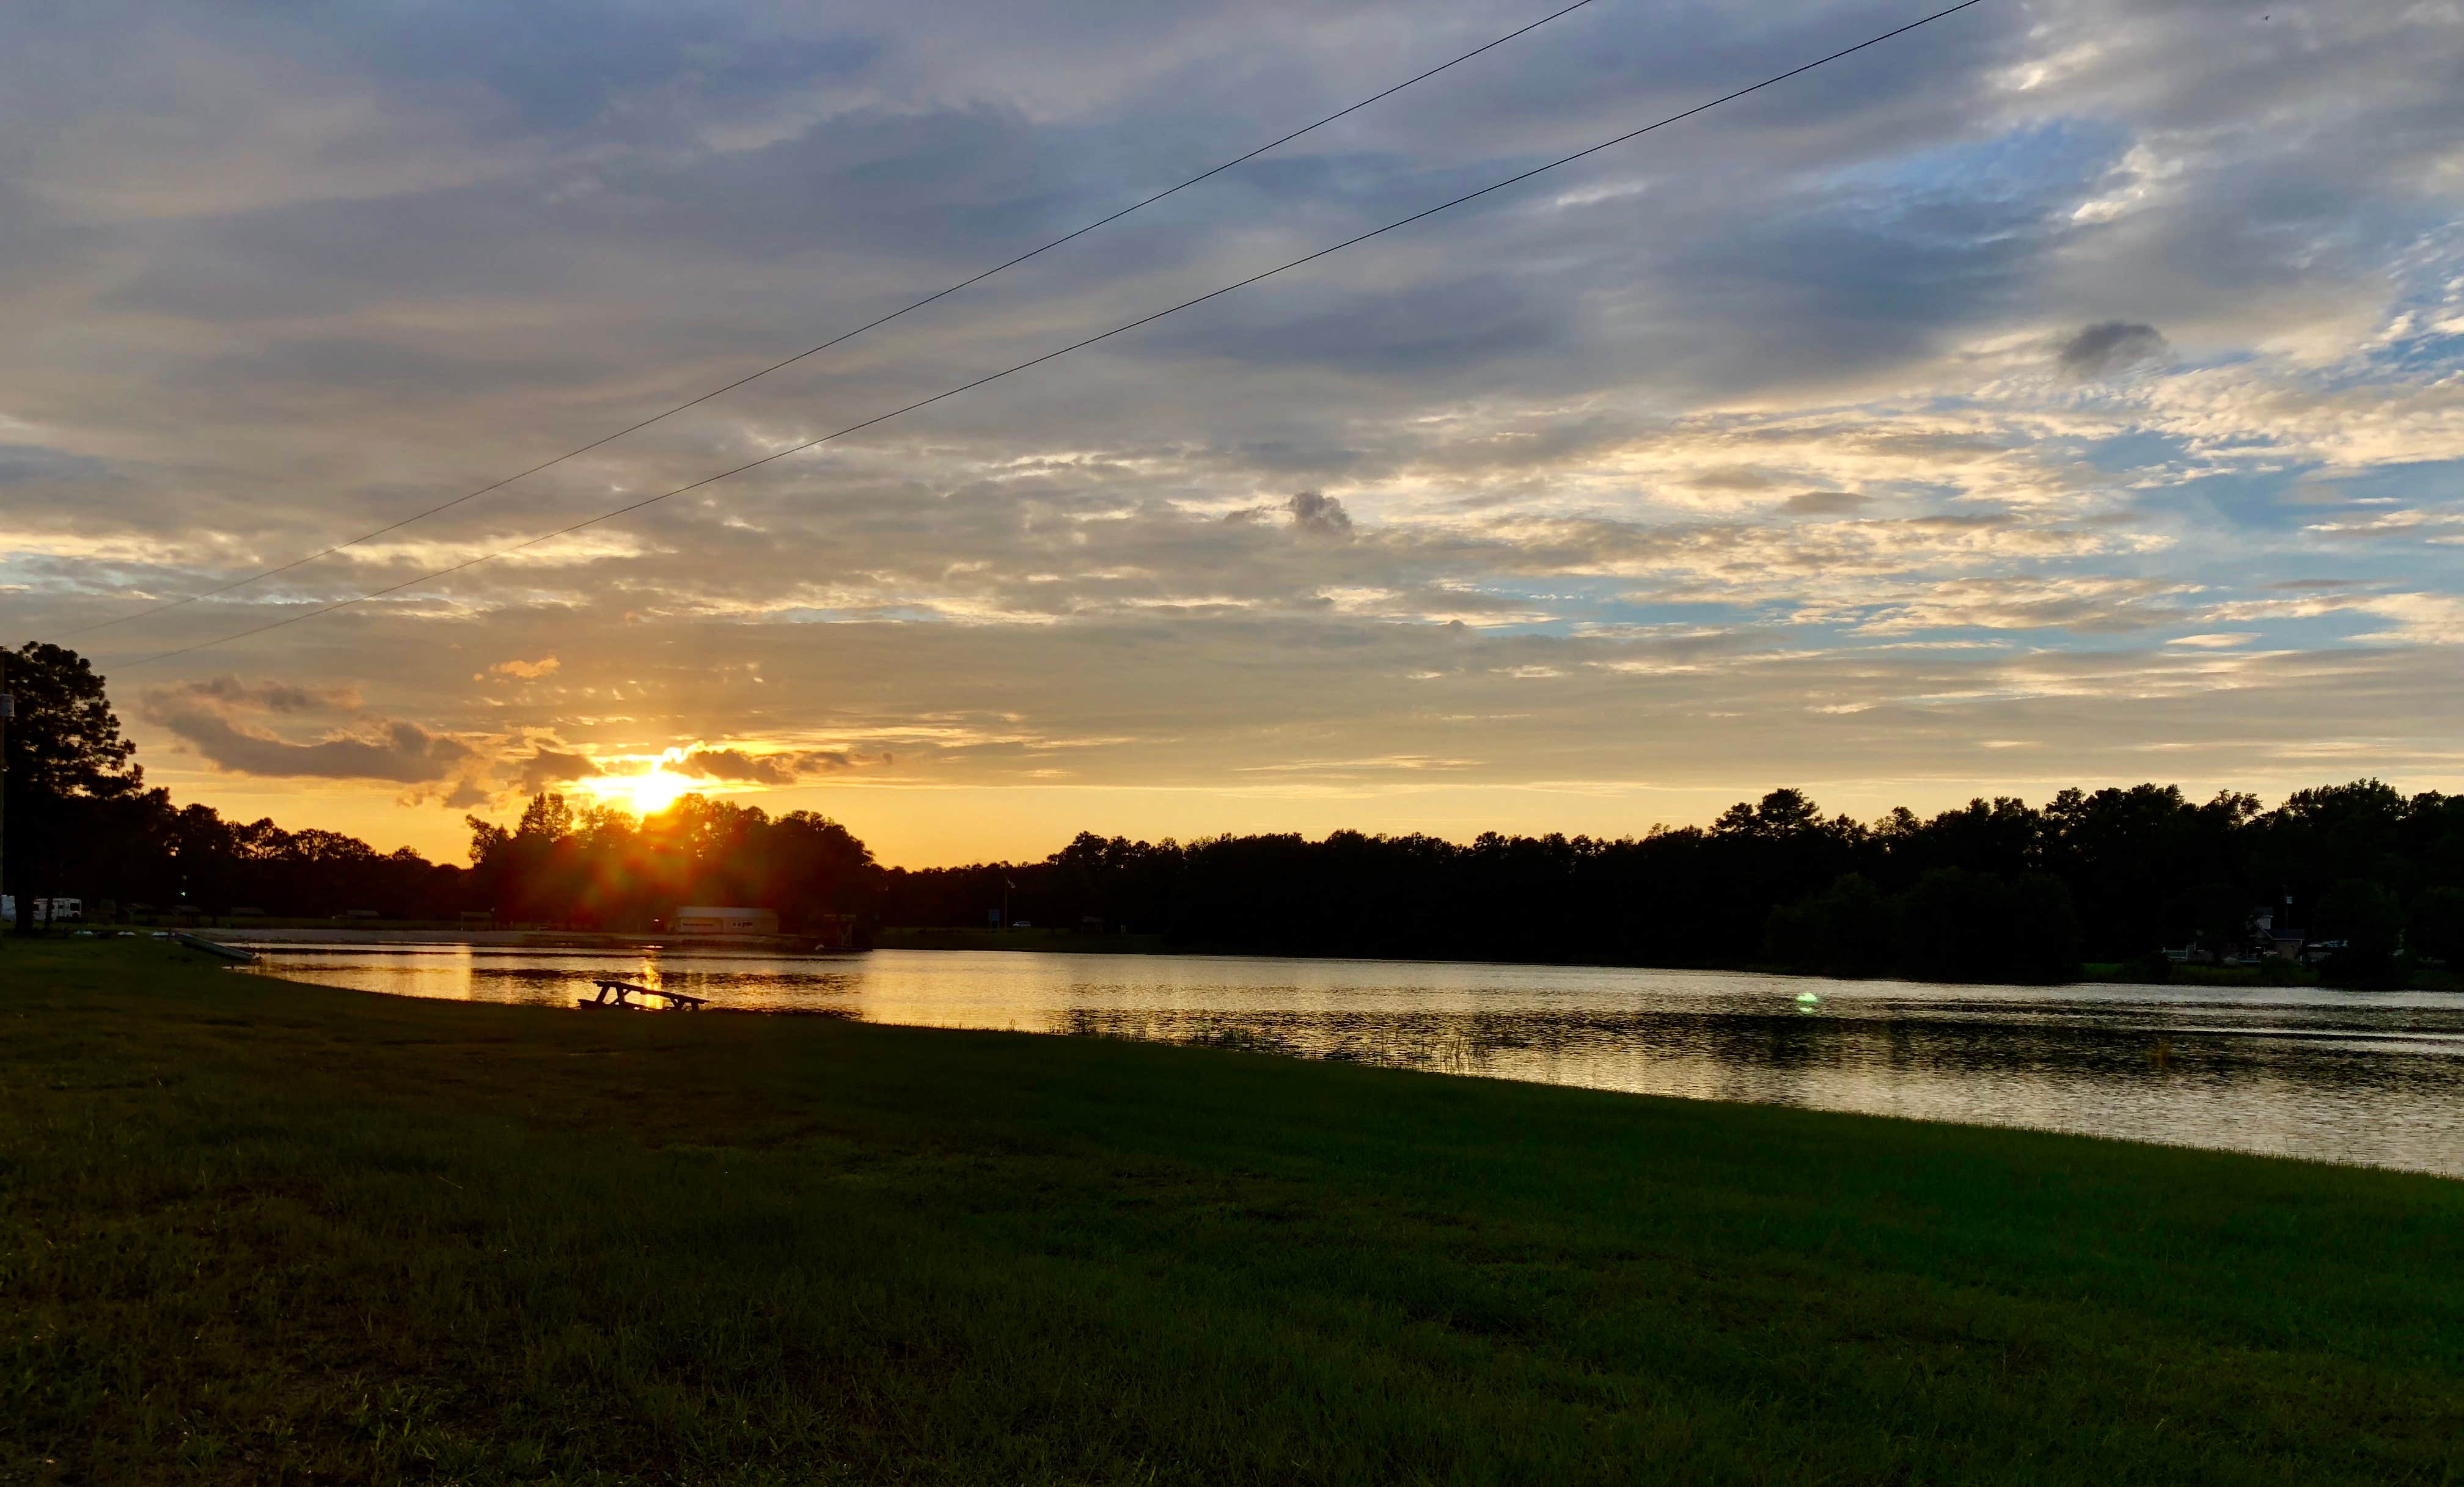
47 911
703 919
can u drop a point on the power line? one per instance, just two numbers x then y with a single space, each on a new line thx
838 339
1077 345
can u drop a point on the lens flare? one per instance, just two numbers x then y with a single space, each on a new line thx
645 794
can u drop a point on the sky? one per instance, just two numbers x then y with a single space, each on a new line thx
2062 393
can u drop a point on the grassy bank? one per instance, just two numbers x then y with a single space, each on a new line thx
258 1232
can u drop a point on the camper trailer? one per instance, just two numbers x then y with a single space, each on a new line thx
46 911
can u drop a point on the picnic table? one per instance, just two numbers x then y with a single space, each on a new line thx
620 993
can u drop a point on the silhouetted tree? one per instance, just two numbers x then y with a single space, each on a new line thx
597 867
2365 916
2436 926
1847 930
67 767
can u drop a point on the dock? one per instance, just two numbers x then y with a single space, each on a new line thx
213 946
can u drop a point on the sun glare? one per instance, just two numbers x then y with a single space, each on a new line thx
643 795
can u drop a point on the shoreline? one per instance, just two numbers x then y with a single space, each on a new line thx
524 939
1069 942
1066 942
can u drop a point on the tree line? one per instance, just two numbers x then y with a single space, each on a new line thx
599 866
80 821
1995 891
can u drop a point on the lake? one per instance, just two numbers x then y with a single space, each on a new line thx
2357 1076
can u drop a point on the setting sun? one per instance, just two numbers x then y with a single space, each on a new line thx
645 794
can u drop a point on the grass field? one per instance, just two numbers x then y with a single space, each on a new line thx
253 1232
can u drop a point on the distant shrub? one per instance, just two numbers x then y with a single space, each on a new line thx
2148 970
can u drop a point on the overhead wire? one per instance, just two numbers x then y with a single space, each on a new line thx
1077 345
835 341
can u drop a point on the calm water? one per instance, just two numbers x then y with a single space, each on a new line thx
2338 1076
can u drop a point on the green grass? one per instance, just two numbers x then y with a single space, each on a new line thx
253 1232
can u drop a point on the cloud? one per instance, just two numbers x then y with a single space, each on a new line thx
545 768
400 753
1319 514
228 692
2093 605
1826 503
2420 618
1828 400
220 719
780 769
2111 347
1311 513
31 464
829 762
735 764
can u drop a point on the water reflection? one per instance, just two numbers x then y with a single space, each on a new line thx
2372 1078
